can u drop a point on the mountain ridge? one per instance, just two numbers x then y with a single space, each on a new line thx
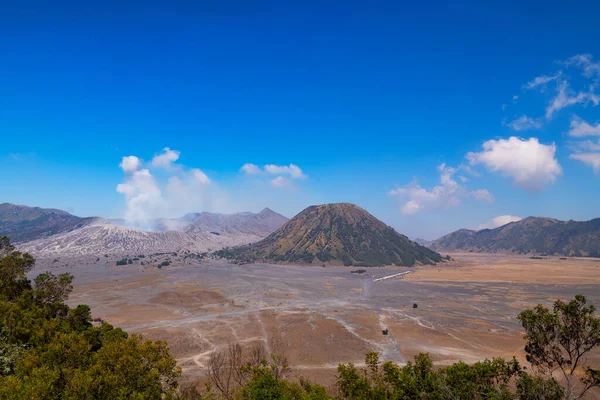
262 223
531 235
54 233
104 238
338 233
23 223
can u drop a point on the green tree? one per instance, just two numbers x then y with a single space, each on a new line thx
9 354
127 369
14 266
530 387
265 384
489 379
558 341
50 289
51 351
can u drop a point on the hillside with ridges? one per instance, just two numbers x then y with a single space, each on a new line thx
23 224
260 224
533 235
336 234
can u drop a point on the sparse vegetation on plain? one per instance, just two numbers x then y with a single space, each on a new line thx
254 374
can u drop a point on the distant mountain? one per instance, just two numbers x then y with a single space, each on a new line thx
335 234
102 237
22 223
422 242
527 236
262 224
54 233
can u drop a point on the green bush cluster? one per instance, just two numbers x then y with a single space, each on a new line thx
51 351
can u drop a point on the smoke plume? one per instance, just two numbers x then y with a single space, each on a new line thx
161 188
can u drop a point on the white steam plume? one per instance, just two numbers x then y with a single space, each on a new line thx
148 198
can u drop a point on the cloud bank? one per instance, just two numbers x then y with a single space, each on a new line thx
285 173
587 152
563 96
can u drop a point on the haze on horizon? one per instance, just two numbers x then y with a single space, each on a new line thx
478 118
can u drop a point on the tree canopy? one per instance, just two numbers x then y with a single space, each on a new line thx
558 341
51 351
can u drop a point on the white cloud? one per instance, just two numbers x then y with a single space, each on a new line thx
166 158
566 97
130 164
439 197
515 100
469 170
524 123
588 145
147 198
250 169
411 207
582 128
292 170
531 164
542 80
447 194
498 221
586 63
483 194
285 173
591 159
200 176
280 182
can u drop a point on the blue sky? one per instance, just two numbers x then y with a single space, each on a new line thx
367 101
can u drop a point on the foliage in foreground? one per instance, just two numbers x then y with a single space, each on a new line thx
51 351
495 379
559 340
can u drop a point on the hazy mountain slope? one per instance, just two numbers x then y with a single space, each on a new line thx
529 235
53 233
335 234
262 224
105 238
22 223
422 242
